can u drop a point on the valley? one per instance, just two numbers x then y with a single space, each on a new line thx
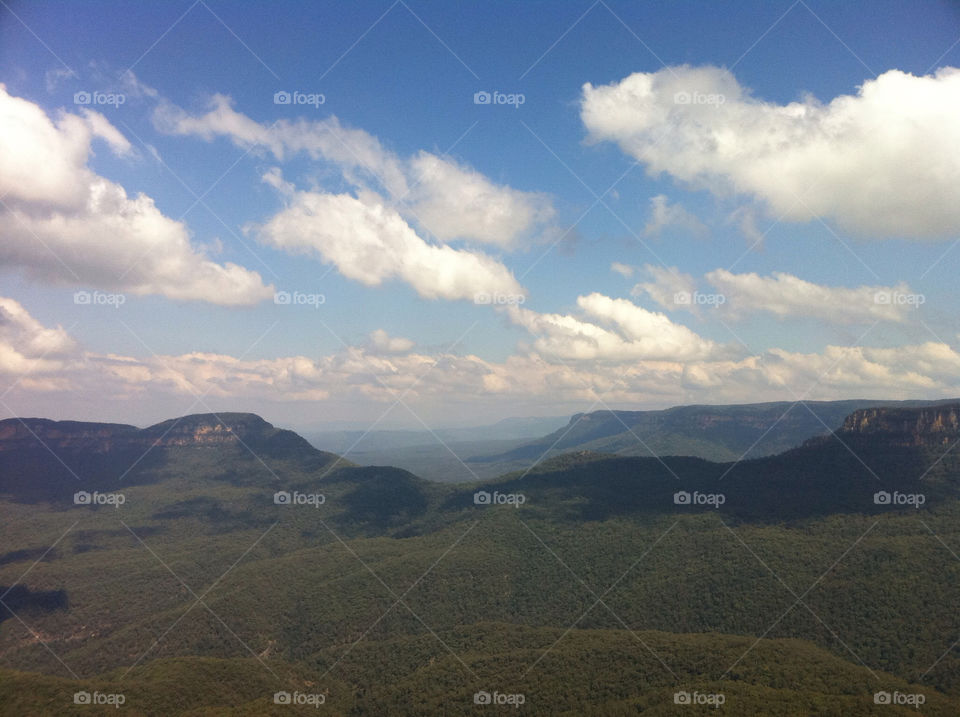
242 562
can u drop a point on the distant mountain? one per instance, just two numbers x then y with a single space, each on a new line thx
442 455
389 594
205 429
361 441
716 433
40 457
26 433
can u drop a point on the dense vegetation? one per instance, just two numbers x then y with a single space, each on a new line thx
597 595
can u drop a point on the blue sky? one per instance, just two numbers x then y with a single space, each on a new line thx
803 196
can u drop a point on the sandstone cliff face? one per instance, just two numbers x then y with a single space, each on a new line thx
208 429
17 433
197 430
930 426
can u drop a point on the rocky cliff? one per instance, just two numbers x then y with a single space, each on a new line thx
928 426
206 429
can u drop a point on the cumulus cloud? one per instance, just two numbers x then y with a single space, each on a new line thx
34 356
634 334
456 202
32 338
62 222
907 371
370 242
446 199
380 340
786 295
781 294
46 361
664 215
667 286
880 162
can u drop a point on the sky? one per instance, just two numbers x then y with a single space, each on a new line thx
431 214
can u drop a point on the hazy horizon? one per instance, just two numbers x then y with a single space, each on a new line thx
612 206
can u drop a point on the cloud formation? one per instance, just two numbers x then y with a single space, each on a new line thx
371 243
785 295
48 361
634 333
444 198
63 223
880 163
781 294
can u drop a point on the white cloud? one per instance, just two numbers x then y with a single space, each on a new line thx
903 370
25 339
880 163
61 222
786 295
624 270
664 215
370 242
36 357
666 285
100 127
445 198
380 340
48 362
635 333
781 294
455 202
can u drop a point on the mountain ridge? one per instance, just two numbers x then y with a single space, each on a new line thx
713 432
199 429
312 590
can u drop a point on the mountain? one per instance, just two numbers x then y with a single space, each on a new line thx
24 433
439 455
228 575
717 433
40 458
205 429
